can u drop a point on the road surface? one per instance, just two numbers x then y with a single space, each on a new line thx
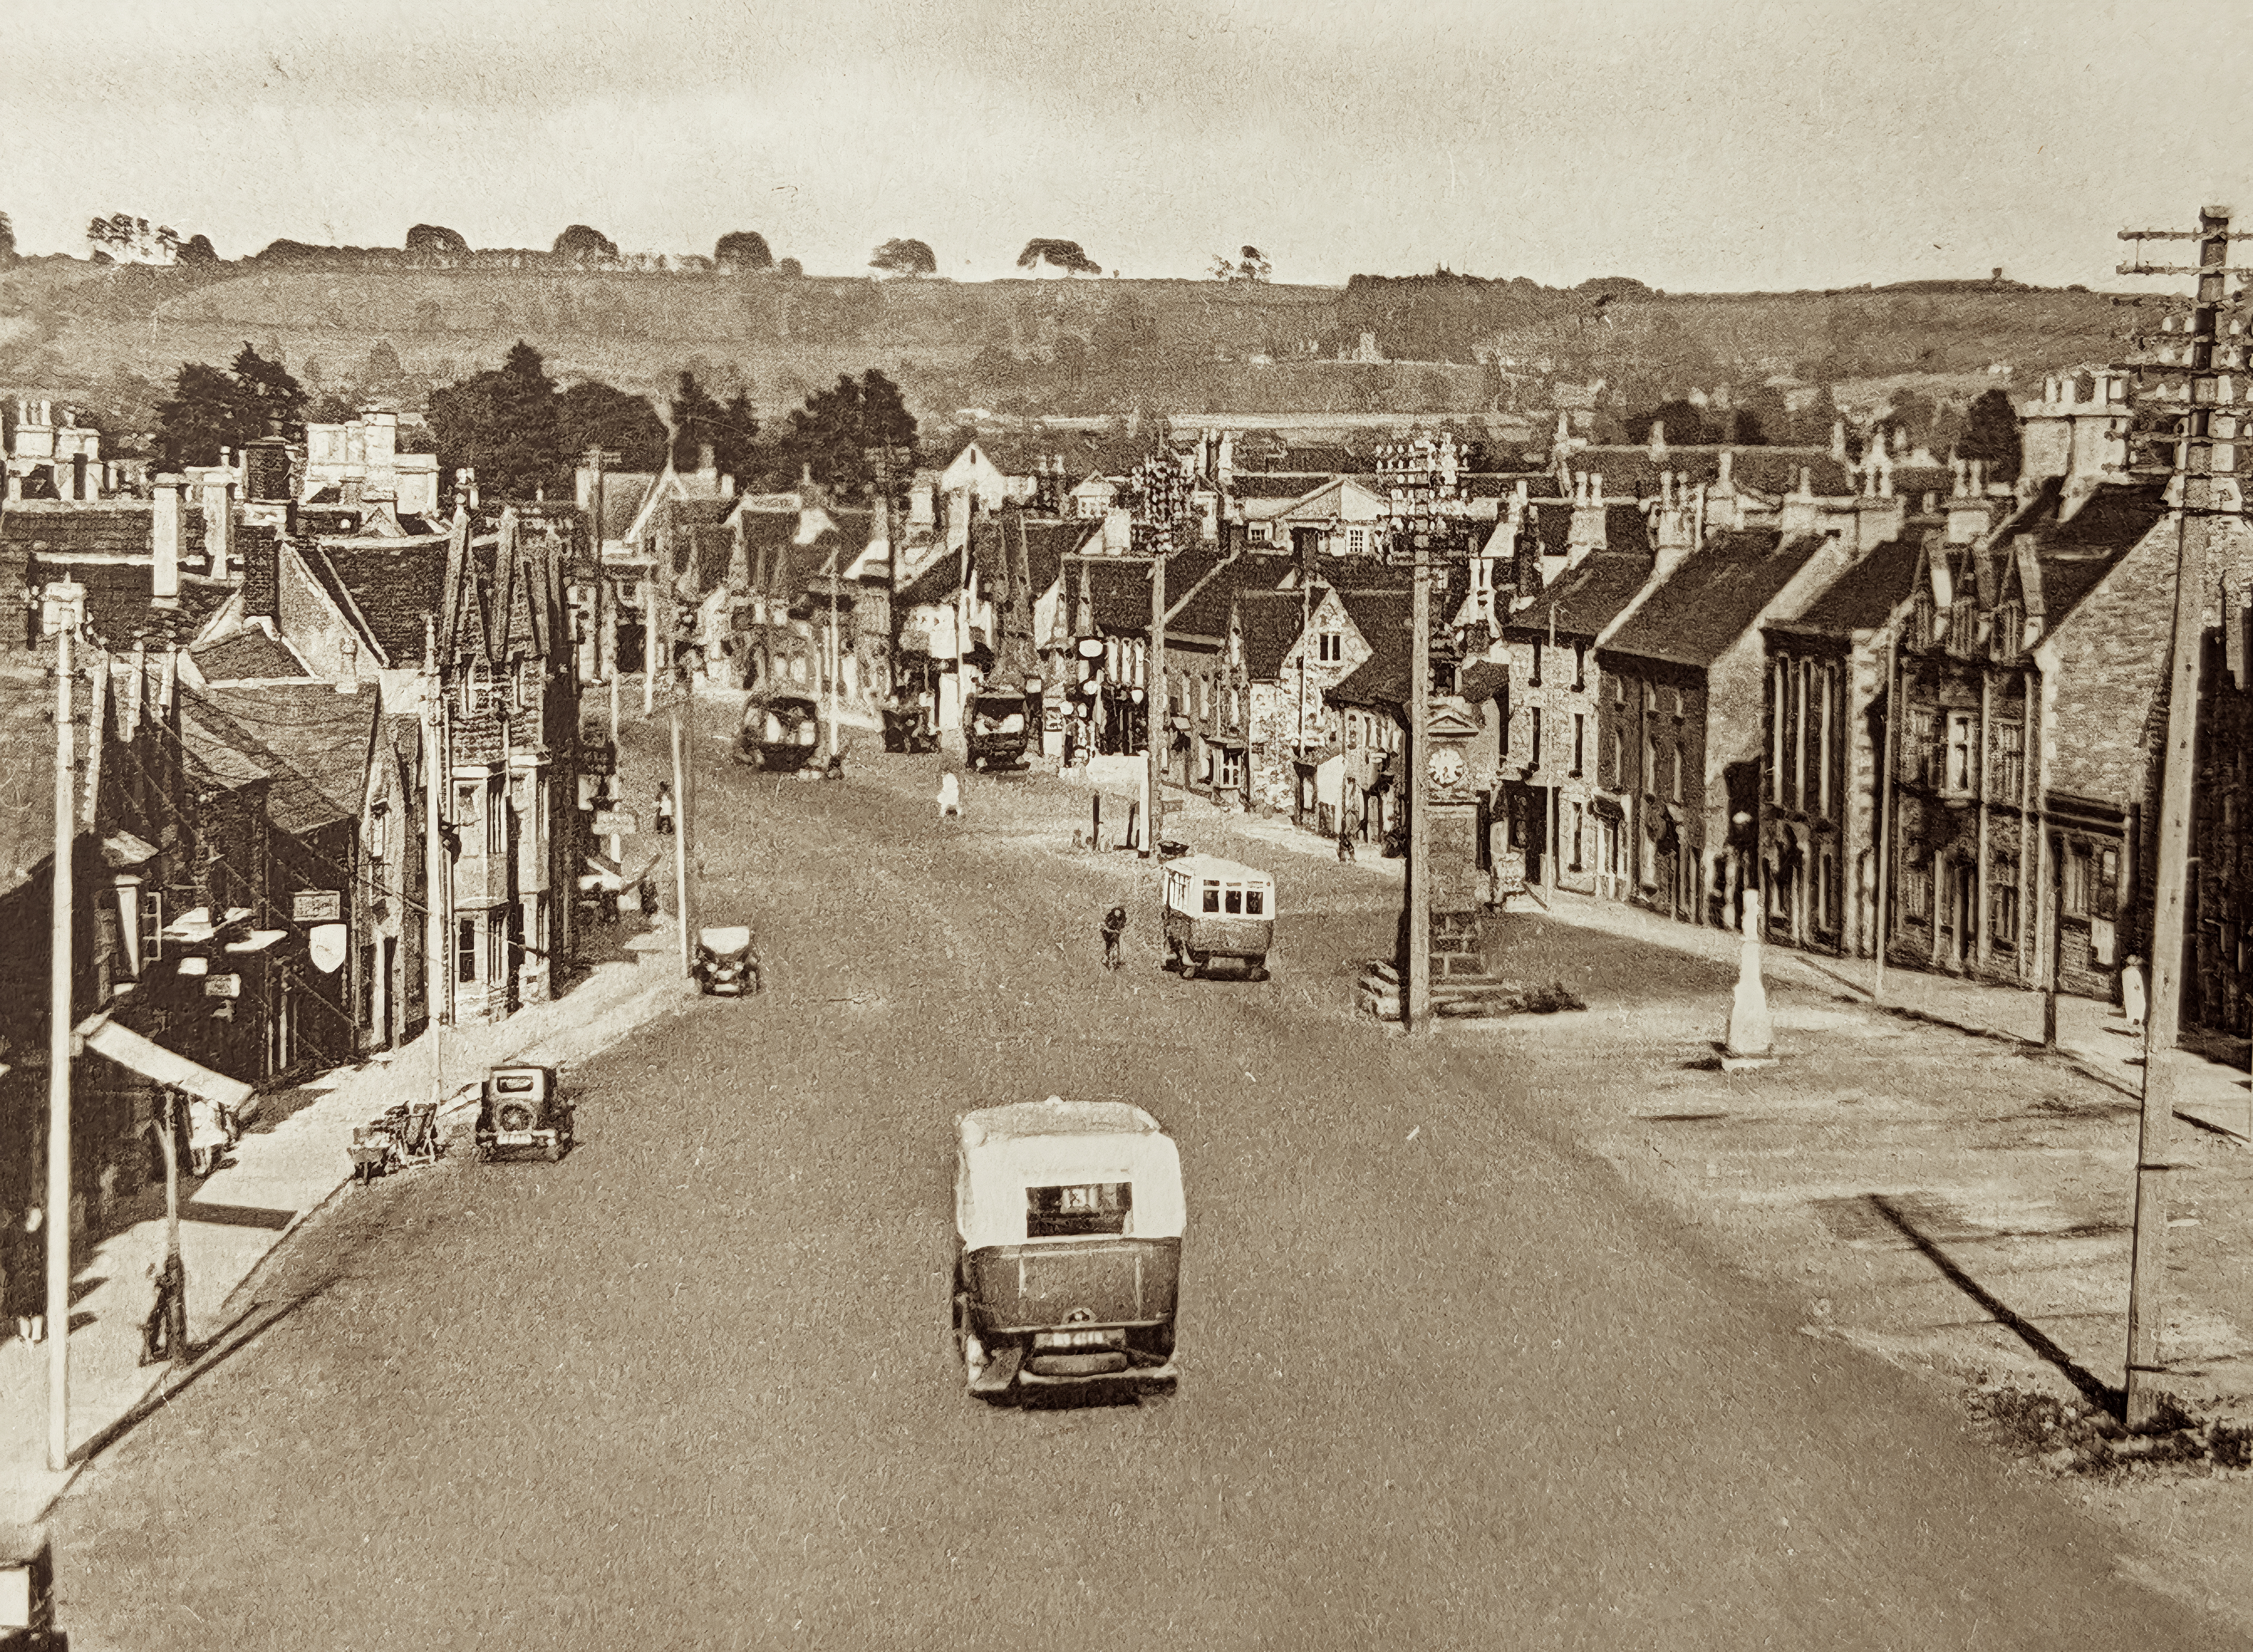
1448 1381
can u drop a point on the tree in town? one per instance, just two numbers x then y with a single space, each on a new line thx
1248 265
696 418
902 257
734 446
580 243
210 409
1061 254
595 414
7 241
832 433
504 424
1684 422
437 238
742 249
199 250
1990 432
791 268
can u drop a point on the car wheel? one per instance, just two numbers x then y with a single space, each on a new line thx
1259 969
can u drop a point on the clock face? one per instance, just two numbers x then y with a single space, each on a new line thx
1446 767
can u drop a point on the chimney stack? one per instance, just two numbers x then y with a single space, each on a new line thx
1723 482
1657 440
165 537
1839 440
219 524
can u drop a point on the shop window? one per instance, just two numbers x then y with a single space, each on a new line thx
465 949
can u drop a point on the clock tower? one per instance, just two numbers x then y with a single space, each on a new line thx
1452 790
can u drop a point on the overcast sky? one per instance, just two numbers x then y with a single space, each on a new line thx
1732 145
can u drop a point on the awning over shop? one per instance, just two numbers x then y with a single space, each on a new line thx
152 1061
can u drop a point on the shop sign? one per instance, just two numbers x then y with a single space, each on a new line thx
222 987
1511 869
316 906
615 823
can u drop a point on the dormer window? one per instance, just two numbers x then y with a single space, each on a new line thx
2010 633
1962 626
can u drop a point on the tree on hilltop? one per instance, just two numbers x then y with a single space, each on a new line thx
437 238
902 257
1063 255
743 249
580 242
7 241
1249 264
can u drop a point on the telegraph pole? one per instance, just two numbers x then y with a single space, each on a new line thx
59 1060
2194 471
1895 724
1157 708
681 827
1416 1003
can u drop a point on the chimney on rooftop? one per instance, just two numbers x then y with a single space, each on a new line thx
164 521
1839 440
219 524
1657 440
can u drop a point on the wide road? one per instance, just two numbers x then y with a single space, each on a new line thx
1446 1381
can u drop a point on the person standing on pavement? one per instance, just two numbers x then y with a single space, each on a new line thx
160 1337
665 808
2132 992
1114 931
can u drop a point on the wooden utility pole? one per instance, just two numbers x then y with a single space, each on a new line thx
681 827
2194 471
59 1073
649 643
1416 1000
1895 724
1158 710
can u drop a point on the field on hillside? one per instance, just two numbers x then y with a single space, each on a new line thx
70 327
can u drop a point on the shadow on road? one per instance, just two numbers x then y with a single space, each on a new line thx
232 1339
2094 1390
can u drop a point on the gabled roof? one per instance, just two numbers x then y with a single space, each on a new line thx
1587 598
120 602
1382 680
396 584
313 742
27 749
1203 611
1863 597
1270 621
1361 574
1045 544
624 494
1714 597
247 656
1118 592
2076 554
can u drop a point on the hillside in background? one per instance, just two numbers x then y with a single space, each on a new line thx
1442 344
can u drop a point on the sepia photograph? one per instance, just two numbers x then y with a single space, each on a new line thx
1213 823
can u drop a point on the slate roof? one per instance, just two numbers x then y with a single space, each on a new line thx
395 584
1205 611
62 532
119 603
1381 680
1119 593
624 494
1046 544
1361 574
1085 453
312 741
1631 472
1272 620
1863 597
1711 599
247 656
1587 598
2078 553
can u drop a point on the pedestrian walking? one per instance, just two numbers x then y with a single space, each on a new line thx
1345 844
162 1333
1114 931
665 808
2132 992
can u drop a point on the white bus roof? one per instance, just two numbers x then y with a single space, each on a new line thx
1211 866
1006 1150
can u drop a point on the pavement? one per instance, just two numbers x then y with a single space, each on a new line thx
282 1170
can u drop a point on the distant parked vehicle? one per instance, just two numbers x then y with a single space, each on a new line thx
1000 729
1069 1217
781 731
725 966
908 726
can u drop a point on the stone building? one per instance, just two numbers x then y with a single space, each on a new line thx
1681 714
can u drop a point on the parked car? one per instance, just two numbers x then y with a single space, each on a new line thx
725 966
522 1108
1069 1217
781 730
1000 729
